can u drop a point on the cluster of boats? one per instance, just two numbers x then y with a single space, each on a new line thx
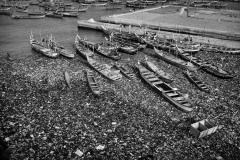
55 10
181 55
204 4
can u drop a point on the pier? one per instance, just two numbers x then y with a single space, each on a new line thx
217 27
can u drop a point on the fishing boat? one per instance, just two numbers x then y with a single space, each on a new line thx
39 47
82 9
128 36
106 49
228 50
105 70
159 72
127 42
193 79
92 82
60 49
165 90
82 48
175 61
99 4
5 9
33 13
22 10
112 7
205 65
125 71
5 12
70 14
54 14
27 17
127 49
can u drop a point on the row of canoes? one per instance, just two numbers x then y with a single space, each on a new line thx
156 78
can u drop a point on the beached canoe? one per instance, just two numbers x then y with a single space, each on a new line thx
125 42
125 72
175 61
106 49
205 65
105 69
196 81
37 46
27 17
82 48
61 50
165 90
159 72
92 82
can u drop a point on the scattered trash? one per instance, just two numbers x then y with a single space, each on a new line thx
79 153
100 147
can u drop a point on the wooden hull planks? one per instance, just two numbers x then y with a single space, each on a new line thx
81 48
206 66
160 73
165 90
125 72
42 49
175 61
93 84
196 82
105 70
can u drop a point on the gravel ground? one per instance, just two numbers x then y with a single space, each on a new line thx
41 118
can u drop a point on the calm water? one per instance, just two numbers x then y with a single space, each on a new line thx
14 34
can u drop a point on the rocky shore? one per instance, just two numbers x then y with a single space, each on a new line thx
41 118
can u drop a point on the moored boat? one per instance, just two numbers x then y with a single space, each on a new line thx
54 15
70 14
37 46
105 70
27 17
159 72
60 49
165 90
92 82
175 61
125 72
205 65
106 49
82 48
196 81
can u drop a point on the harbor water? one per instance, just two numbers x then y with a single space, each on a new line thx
14 34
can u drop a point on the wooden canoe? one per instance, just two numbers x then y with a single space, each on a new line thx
105 70
62 50
159 72
107 49
175 61
37 46
196 81
204 65
93 84
125 72
82 49
165 90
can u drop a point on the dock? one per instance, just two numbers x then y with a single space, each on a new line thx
204 25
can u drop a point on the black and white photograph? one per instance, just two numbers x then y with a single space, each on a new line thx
119 79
